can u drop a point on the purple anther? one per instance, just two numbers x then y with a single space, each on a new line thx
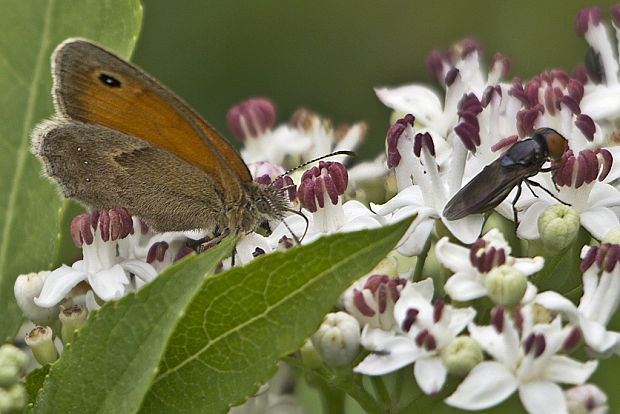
586 16
253 117
501 63
572 339
608 161
497 318
438 308
361 305
586 126
393 135
434 65
504 142
157 251
81 230
410 317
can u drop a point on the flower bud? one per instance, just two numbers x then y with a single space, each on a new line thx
461 355
26 288
13 399
41 342
586 398
338 339
558 226
12 363
72 319
613 236
506 285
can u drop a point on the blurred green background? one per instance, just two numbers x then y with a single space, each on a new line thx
328 55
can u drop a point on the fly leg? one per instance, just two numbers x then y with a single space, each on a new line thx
514 206
535 184
548 169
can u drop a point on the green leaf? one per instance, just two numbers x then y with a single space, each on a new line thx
244 320
114 357
34 382
29 203
66 251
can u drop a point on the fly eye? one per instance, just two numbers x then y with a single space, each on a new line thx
556 143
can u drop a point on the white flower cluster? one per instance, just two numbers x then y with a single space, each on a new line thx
493 321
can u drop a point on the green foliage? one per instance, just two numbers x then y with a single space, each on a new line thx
193 342
30 203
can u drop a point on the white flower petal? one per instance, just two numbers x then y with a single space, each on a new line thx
408 197
464 286
459 319
58 284
598 221
528 221
467 229
529 266
414 240
487 384
417 100
91 302
430 374
141 269
110 283
543 397
397 353
558 303
569 371
451 255
375 338
604 195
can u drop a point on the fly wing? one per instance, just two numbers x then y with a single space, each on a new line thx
486 190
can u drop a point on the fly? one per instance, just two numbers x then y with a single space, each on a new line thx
492 185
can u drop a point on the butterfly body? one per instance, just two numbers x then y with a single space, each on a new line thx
122 139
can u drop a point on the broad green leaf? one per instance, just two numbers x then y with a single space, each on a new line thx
114 357
244 320
34 382
29 203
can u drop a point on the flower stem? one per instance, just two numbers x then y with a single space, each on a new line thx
343 380
419 265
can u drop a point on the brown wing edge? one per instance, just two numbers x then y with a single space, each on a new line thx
210 136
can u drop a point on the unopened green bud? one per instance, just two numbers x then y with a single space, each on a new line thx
506 286
41 342
13 399
558 226
613 236
461 355
12 363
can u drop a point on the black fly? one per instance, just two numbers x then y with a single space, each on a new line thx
493 184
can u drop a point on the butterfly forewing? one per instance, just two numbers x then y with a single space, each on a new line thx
130 102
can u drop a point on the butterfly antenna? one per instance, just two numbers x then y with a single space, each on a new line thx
341 152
